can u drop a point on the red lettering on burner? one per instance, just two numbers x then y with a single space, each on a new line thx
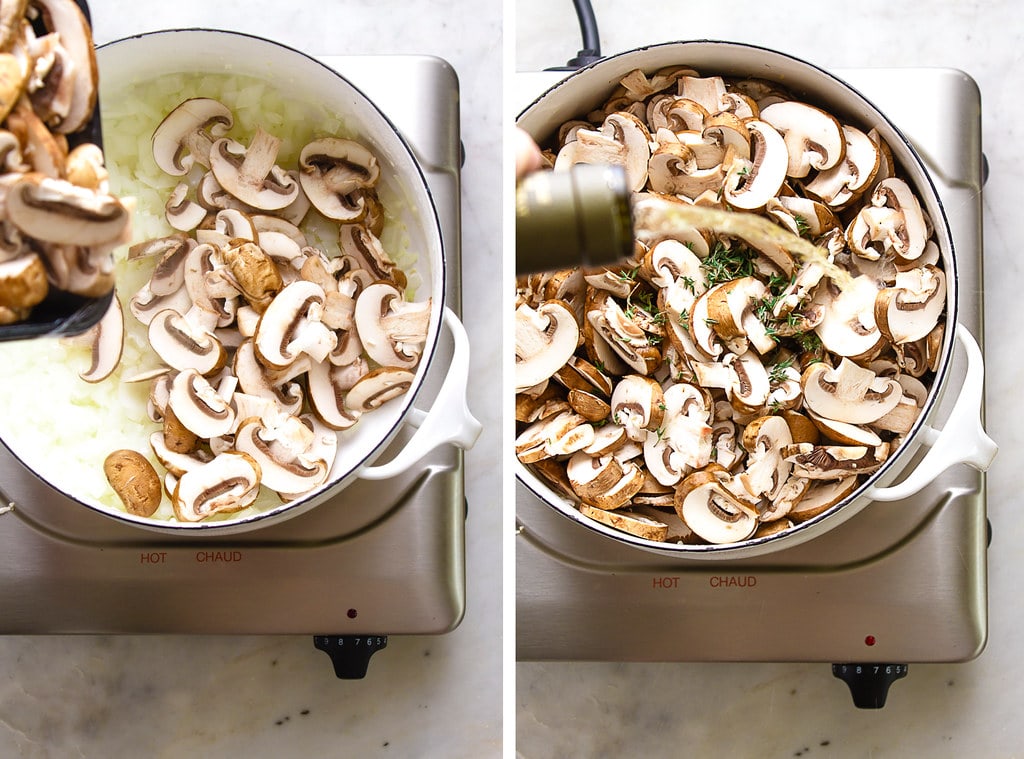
732 581
665 583
153 557
218 557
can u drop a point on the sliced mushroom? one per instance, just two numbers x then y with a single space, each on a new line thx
291 326
910 310
135 481
545 339
711 511
199 406
391 329
751 184
68 21
185 343
187 133
377 387
814 138
849 393
893 222
282 449
251 173
559 435
631 522
834 462
332 171
228 483
57 211
845 181
638 405
106 339
327 389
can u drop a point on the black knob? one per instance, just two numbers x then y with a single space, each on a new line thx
869 683
350 654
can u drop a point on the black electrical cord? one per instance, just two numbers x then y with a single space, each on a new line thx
591 50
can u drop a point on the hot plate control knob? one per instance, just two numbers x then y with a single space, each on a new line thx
869 683
350 653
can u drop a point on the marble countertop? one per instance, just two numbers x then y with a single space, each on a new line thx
177 696
799 710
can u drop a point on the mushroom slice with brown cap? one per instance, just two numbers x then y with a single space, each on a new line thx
728 130
333 166
672 263
709 91
23 282
750 386
910 310
84 168
327 395
849 393
848 179
640 525
56 211
711 511
183 343
675 114
276 385
749 185
766 470
847 326
608 439
845 433
821 496
251 173
181 213
620 493
592 476
622 335
623 140
814 138
893 222
282 448
638 405
377 387
106 339
731 309
559 435
545 339
833 462
673 169
291 326
199 406
589 406
228 483
365 247
177 463
254 272
187 133
68 21
391 329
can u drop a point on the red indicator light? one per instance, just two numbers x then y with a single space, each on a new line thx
869 640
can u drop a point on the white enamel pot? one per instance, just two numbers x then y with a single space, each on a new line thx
320 92
934 444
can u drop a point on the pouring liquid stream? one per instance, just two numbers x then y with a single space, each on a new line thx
654 216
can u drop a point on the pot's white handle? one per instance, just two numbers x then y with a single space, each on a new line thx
448 420
961 441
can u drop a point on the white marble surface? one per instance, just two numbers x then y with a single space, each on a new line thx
799 710
176 696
